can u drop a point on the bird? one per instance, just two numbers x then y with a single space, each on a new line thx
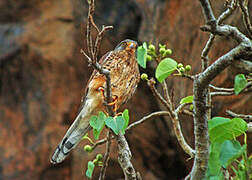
124 75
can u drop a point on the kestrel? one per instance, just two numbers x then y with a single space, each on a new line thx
124 74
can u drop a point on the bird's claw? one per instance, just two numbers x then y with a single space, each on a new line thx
114 99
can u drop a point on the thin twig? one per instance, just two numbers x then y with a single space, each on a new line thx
228 12
229 91
243 116
188 76
174 118
180 137
187 112
106 156
207 11
100 142
145 118
245 13
93 23
151 84
220 93
99 38
180 107
166 92
205 52
221 89
89 27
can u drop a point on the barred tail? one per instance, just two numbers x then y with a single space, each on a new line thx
72 138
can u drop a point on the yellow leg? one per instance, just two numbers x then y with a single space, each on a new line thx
114 99
114 103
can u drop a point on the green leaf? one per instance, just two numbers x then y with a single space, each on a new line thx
97 122
120 123
90 169
141 55
221 129
165 68
216 121
240 83
116 124
214 164
230 150
125 116
111 123
188 99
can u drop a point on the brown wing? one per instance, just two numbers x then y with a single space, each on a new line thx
101 61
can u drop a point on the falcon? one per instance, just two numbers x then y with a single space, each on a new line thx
124 74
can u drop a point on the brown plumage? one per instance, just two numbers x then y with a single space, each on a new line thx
124 74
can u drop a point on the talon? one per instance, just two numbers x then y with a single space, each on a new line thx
119 114
113 103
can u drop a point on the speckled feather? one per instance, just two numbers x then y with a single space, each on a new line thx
124 74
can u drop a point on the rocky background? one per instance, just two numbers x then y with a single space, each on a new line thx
43 75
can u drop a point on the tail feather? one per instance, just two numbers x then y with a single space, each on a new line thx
72 138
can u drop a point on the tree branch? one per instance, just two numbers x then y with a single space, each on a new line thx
106 156
245 13
124 157
243 116
174 118
145 118
207 11
201 84
221 89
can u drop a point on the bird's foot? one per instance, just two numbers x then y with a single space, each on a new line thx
114 99
114 103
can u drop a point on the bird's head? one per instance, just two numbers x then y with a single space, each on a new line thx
128 45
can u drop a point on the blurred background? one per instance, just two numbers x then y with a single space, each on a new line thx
43 76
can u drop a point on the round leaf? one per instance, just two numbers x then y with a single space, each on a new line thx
141 55
230 150
221 129
111 123
240 83
165 68
188 99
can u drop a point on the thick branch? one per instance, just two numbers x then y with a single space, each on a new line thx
124 157
201 84
220 64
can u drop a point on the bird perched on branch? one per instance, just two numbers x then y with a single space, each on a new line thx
124 75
